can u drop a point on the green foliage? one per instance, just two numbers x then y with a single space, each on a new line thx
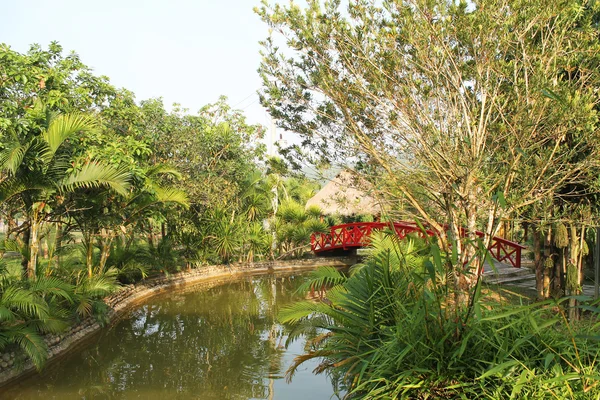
30 309
561 236
90 290
389 331
462 113
99 190
294 225
321 278
130 260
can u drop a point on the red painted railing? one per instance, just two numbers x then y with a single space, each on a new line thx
354 235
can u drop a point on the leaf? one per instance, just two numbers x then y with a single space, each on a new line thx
435 252
518 387
499 197
64 126
430 270
94 175
12 157
500 368
552 95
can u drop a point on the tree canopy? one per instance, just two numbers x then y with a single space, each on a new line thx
471 111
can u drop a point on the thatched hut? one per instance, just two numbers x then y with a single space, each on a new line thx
345 195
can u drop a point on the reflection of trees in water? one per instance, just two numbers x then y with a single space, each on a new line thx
220 343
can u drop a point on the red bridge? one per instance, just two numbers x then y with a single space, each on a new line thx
356 235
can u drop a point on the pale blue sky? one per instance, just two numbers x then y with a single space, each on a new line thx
185 51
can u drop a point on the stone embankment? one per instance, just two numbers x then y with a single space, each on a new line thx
130 295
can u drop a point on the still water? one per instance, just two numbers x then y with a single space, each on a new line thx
222 342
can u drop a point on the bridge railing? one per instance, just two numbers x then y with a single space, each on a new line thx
354 235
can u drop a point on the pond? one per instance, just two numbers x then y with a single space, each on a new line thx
220 342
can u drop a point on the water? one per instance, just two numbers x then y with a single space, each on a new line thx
201 343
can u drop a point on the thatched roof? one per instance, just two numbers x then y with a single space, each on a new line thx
345 195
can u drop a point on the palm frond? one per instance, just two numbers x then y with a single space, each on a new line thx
300 359
30 342
172 195
64 126
12 187
321 278
24 301
11 245
12 157
84 306
6 315
58 167
297 311
49 285
314 211
99 285
95 175
48 325
162 169
291 211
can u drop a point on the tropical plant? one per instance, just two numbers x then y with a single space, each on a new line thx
294 225
465 126
388 331
30 309
225 238
40 171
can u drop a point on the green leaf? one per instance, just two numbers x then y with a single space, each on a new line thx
94 175
552 95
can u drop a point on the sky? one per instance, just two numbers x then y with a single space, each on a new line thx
185 51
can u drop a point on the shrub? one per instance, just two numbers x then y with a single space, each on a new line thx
390 330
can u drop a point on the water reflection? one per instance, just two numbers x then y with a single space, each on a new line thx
217 343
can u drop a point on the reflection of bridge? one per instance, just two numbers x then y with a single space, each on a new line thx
356 235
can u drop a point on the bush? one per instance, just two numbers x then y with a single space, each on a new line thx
390 330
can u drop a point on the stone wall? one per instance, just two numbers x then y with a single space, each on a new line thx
130 295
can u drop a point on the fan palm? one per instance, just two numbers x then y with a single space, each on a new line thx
226 238
41 170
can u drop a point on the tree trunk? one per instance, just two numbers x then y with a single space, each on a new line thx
105 252
573 279
275 206
58 244
11 224
558 283
547 264
469 268
45 248
537 262
33 248
89 259
24 258
151 239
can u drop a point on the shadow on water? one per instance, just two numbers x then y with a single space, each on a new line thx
218 343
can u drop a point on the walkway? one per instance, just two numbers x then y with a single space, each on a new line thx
522 278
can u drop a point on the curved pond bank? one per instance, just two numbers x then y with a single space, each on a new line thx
126 299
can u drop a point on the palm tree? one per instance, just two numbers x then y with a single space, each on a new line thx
256 197
41 170
225 239
29 309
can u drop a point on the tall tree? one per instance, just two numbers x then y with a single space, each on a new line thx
40 171
464 106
